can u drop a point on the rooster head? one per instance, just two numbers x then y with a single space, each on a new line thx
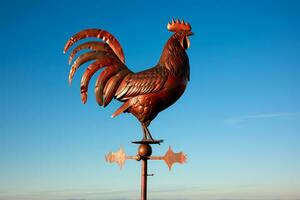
182 32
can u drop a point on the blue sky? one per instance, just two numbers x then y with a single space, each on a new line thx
238 121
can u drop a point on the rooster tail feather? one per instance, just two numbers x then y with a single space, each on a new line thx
86 57
102 80
90 71
101 34
94 46
112 85
107 53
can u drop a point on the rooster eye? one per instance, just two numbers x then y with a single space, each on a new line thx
179 33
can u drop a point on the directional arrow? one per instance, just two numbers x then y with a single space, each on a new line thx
170 157
119 157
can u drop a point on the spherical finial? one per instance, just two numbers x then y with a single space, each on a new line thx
144 150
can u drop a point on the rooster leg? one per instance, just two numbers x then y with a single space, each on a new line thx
146 132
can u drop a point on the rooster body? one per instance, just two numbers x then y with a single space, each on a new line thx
144 94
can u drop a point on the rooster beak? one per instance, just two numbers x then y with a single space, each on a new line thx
190 33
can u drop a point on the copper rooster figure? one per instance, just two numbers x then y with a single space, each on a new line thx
144 94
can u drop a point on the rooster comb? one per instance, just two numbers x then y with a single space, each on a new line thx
176 26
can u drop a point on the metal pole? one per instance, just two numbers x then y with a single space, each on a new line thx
144 179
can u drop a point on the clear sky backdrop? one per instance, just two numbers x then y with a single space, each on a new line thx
238 121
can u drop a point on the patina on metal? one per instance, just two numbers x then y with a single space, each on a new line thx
144 94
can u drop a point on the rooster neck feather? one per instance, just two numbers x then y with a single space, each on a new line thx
175 59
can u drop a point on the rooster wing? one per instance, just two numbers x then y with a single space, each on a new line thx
145 82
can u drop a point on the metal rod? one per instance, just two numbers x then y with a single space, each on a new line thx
156 157
144 179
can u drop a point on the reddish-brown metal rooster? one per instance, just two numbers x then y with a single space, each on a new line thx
145 93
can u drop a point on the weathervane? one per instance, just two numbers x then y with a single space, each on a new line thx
143 94
143 155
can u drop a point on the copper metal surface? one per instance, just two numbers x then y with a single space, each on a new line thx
144 150
144 94
118 157
144 179
170 157
148 141
144 154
